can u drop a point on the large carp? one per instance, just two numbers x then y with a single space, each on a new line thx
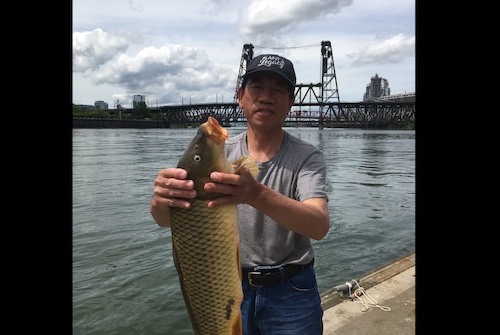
206 244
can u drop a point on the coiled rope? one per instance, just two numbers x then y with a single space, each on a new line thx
360 296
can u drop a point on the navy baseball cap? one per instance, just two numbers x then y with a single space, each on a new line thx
273 63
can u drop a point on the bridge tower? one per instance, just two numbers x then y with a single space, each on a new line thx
329 86
246 55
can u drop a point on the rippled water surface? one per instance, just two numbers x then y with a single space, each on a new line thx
124 279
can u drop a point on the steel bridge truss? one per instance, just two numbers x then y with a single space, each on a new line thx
310 113
314 103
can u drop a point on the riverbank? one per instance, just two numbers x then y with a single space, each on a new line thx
101 123
92 123
386 304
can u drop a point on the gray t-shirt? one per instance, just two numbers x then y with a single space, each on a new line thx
298 171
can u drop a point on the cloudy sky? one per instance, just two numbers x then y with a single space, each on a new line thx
189 51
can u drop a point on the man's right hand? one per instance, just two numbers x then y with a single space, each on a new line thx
171 189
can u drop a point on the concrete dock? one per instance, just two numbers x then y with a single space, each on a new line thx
382 302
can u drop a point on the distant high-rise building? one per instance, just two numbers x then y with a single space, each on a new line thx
138 98
99 104
376 89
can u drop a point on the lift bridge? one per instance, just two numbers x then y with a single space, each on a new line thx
316 104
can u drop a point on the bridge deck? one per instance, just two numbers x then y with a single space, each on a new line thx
308 114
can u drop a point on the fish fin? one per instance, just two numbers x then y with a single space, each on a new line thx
237 326
176 260
189 309
248 162
238 322
238 261
183 290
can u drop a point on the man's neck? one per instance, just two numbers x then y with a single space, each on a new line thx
263 147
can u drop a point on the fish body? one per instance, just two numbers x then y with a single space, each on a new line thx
205 241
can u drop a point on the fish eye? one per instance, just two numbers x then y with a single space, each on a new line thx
197 158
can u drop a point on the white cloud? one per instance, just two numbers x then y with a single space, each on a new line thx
266 21
93 48
392 50
191 50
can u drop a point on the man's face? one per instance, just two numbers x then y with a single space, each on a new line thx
266 98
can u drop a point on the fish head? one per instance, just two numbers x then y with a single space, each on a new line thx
204 155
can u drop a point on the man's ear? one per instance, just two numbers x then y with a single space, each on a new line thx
240 95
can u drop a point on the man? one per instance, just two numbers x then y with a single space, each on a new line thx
278 212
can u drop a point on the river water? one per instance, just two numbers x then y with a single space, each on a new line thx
124 279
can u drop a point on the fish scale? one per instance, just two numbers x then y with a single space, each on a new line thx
211 285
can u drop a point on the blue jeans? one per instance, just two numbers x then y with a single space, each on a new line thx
289 308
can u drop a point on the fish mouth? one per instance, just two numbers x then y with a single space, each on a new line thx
215 131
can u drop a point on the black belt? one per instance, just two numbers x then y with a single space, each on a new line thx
265 277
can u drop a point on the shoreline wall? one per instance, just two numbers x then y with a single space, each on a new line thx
114 123
144 124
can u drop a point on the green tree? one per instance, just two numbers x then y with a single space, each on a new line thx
140 111
94 113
